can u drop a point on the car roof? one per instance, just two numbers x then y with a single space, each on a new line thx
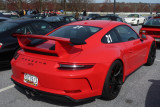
109 16
5 18
96 23
23 21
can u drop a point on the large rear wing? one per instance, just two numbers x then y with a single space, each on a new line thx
62 45
59 43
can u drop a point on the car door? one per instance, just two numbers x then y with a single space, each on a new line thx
135 48
112 39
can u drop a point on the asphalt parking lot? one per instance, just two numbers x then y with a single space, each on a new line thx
141 89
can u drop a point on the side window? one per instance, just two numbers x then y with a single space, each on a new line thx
126 33
111 37
42 28
120 20
25 30
72 19
67 19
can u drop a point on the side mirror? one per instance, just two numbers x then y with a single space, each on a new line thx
143 37
76 41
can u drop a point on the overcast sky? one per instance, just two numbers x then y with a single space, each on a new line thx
144 1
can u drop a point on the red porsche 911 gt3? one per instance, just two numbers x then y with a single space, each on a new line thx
81 60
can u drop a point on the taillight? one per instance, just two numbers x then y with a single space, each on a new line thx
1 45
142 32
75 66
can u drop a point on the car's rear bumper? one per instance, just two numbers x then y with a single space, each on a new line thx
36 92
76 84
5 57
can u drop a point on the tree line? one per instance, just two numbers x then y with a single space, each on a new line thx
79 5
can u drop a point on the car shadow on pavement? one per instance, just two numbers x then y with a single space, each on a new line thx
153 95
158 46
54 101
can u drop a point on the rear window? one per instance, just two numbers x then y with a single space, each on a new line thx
153 22
103 18
78 32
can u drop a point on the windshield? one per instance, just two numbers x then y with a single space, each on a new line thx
153 22
54 19
133 15
4 26
77 32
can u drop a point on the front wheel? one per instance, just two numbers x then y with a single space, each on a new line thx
137 22
152 55
113 82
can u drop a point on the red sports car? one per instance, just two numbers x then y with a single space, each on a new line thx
152 28
81 60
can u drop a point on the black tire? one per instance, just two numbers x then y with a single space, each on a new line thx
137 22
113 81
152 55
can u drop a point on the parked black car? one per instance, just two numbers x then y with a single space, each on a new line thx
92 16
36 16
4 19
60 20
114 18
112 15
10 16
9 44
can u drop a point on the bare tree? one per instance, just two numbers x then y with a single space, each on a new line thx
107 1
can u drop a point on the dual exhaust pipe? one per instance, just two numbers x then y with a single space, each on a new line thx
30 93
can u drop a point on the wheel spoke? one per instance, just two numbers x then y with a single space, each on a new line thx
119 71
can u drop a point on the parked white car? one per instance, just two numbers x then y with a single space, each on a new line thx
134 19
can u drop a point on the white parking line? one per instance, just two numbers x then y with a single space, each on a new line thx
158 60
6 88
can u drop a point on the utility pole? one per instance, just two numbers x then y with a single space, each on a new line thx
6 6
114 10
40 1
20 5
65 7
150 8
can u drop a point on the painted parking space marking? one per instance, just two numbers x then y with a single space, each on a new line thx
158 60
6 88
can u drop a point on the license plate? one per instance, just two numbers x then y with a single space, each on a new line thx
30 79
